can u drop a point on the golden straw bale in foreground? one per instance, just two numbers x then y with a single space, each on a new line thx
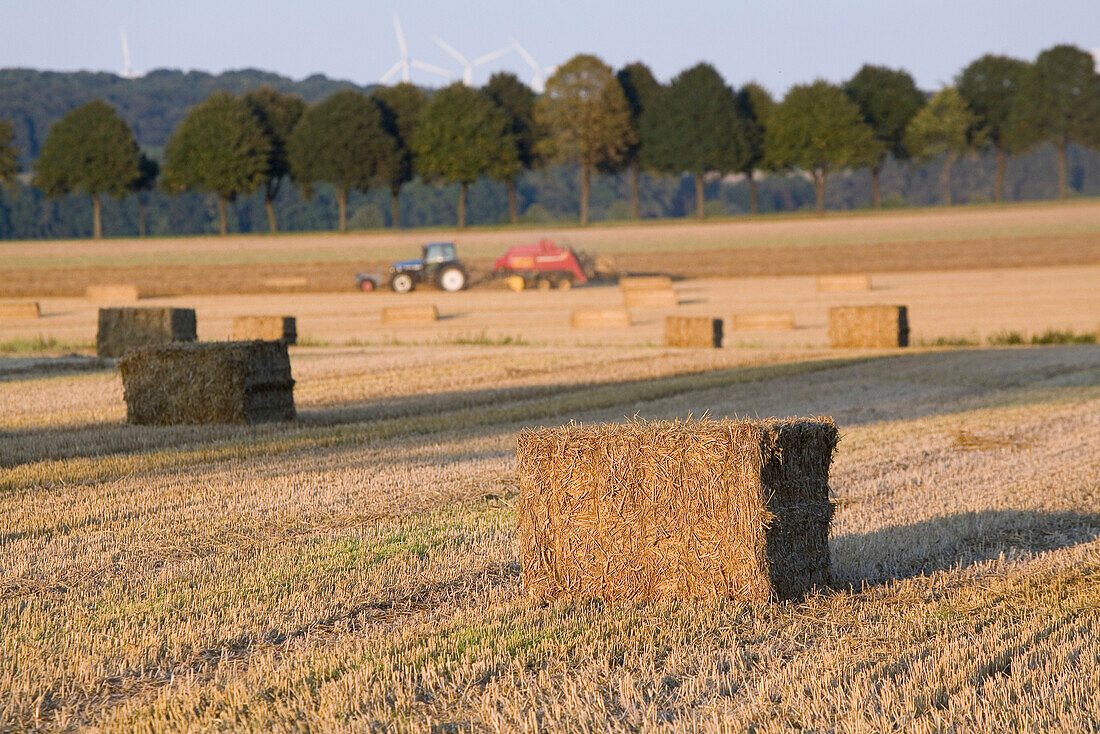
693 331
128 328
676 510
873 327
267 328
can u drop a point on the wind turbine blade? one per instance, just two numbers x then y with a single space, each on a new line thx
393 70
526 56
450 49
489 57
126 70
400 36
431 68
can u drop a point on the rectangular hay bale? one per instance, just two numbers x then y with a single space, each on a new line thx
764 321
645 282
409 314
693 331
650 298
267 328
19 310
599 318
877 327
208 382
848 283
128 328
118 293
285 282
676 510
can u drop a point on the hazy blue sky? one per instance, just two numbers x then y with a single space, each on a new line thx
777 42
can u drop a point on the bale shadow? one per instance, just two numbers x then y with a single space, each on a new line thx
14 369
955 542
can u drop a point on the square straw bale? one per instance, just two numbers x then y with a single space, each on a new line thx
675 510
872 327
285 282
764 321
118 293
645 282
19 310
127 328
267 328
650 298
410 314
693 331
599 318
208 382
849 283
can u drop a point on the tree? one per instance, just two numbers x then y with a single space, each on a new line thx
641 89
463 135
945 126
991 87
887 99
693 126
90 150
1061 103
401 106
587 119
341 141
219 147
9 157
754 104
277 114
146 181
517 101
818 129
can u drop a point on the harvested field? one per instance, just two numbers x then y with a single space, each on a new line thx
763 321
356 569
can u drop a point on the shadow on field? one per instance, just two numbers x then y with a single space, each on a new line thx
955 542
13 369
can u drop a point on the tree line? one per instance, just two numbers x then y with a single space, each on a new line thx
590 116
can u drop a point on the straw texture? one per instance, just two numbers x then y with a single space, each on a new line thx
693 331
872 327
267 328
203 382
596 318
19 310
674 510
409 314
764 321
121 293
121 329
852 283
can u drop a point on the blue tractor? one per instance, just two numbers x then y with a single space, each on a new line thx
438 265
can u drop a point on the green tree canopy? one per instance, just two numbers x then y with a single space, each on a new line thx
341 141
9 156
641 88
887 99
401 106
219 147
517 101
1061 103
693 126
462 136
90 150
992 86
818 129
148 172
944 127
754 104
277 114
587 119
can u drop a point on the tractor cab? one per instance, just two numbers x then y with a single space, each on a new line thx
439 252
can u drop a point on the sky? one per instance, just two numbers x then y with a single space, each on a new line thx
777 43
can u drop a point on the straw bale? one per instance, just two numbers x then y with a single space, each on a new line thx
118 293
268 328
764 321
850 283
869 326
19 310
409 314
676 510
127 328
208 382
284 282
599 318
650 298
693 331
645 282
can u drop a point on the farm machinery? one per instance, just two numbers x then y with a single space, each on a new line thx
543 265
437 264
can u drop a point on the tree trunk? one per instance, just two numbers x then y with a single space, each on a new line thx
754 205
1063 166
586 175
342 207
635 199
395 206
97 217
513 206
223 229
141 215
462 187
999 182
876 189
819 190
948 163
269 207
700 197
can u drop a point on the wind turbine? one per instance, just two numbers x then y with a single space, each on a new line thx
127 70
406 63
539 80
467 65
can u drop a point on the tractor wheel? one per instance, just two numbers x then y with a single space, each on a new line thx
366 285
515 282
544 284
452 279
401 283
565 284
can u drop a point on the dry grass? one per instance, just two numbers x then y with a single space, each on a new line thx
357 572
